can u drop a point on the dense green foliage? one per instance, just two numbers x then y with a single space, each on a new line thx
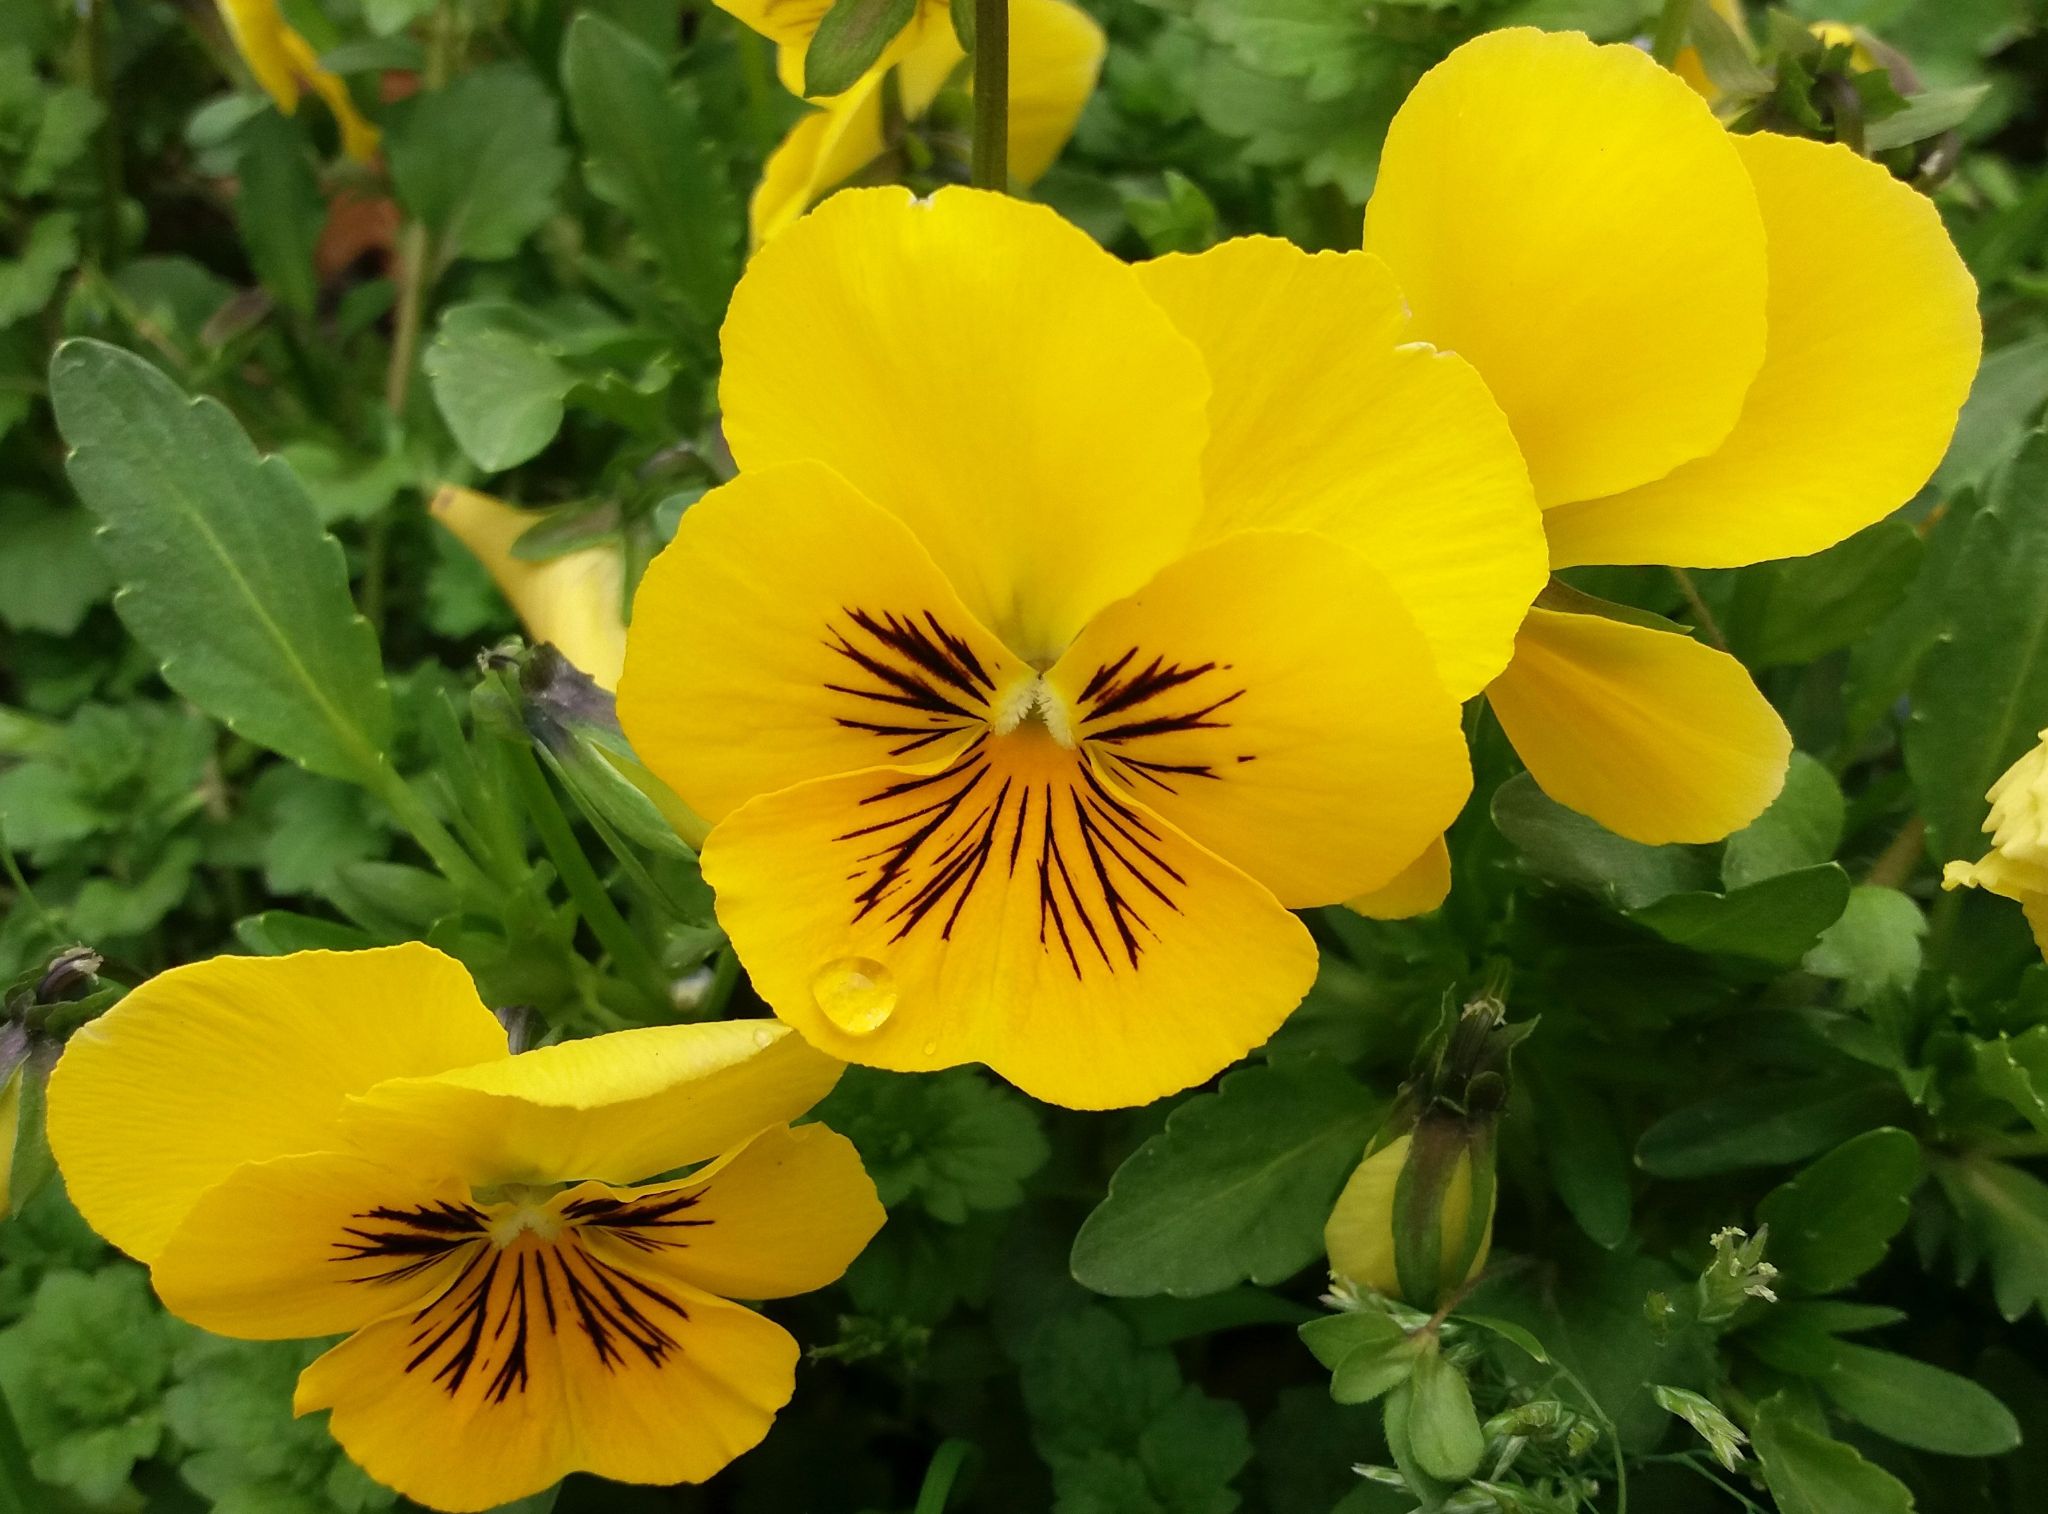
241 709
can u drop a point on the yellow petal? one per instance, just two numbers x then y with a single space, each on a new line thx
1009 910
983 371
314 1244
1873 342
2013 877
1416 890
551 1357
359 138
243 1058
1270 697
1656 737
1328 416
258 30
1056 52
575 602
823 148
791 631
2018 822
617 1108
786 1213
1574 221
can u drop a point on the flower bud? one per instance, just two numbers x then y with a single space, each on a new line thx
1363 1233
575 603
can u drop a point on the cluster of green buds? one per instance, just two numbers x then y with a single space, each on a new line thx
1415 1220
1736 1275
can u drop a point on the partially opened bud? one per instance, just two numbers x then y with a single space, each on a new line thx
1362 1234
574 602
2017 864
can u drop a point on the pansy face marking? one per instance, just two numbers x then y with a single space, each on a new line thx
1016 749
339 1143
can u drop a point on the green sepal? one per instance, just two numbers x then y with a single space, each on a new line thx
849 40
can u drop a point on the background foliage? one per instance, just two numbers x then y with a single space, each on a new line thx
1793 1030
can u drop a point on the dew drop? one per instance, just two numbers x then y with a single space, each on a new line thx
764 1037
856 994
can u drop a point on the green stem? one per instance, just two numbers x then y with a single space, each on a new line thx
725 977
101 79
585 888
1672 25
948 1462
992 94
414 252
447 854
1702 616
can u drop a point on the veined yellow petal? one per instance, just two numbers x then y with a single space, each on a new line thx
786 1213
790 609
1269 696
575 602
1327 416
1573 221
617 1108
983 371
1417 889
1656 737
1010 909
547 1356
1873 342
243 1058
315 1244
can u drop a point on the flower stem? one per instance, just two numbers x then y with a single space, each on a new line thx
1701 614
1672 25
992 94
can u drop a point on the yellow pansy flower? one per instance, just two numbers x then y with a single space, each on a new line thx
339 1142
285 65
574 602
1020 730
2017 864
1056 54
1713 349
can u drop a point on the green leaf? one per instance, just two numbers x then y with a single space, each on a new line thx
1917 1404
850 38
1507 1330
55 574
1367 1354
1801 829
954 1142
1586 1157
1327 44
226 577
1982 691
1927 114
645 142
479 161
1723 1437
1237 1186
1443 1427
1833 1222
1874 949
2005 403
279 209
1809 1473
1763 1124
31 277
1777 920
1791 612
1566 847
1120 1429
2004 1215
2015 1069
500 390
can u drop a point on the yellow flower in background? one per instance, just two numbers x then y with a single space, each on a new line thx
574 602
337 1142
1019 732
791 24
1713 349
1056 52
2017 864
285 66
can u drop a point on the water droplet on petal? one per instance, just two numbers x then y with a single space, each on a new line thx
764 1037
856 994
931 1048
